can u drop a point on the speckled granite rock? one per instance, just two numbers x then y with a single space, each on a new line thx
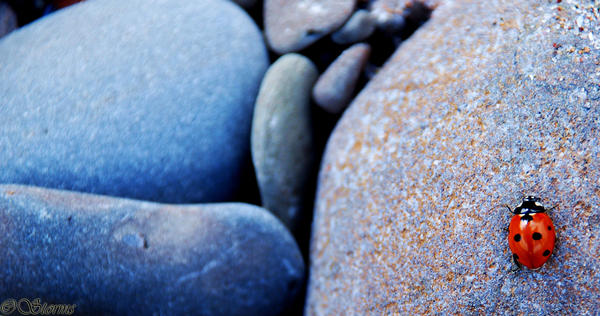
138 98
486 103
335 87
8 19
291 25
282 143
114 256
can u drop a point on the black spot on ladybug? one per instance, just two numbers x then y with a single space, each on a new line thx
537 236
517 238
526 218
546 253
515 257
549 228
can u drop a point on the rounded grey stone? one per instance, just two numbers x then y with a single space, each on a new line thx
282 145
386 19
335 87
291 25
112 256
140 99
359 27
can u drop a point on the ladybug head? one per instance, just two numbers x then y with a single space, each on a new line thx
531 198
530 204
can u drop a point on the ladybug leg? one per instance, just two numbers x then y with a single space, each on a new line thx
551 209
511 210
516 266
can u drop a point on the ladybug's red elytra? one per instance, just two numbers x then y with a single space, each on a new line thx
531 234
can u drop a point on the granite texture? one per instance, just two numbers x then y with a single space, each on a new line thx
282 140
291 25
113 256
140 99
486 103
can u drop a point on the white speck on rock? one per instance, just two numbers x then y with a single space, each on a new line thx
312 7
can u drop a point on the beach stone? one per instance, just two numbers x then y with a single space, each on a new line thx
359 27
112 256
291 25
8 19
282 143
140 99
391 15
483 105
335 87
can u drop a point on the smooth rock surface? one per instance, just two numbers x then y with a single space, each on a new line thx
114 256
8 19
140 99
360 26
486 103
335 87
291 25
282 143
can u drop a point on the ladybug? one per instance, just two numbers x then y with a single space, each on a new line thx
531 234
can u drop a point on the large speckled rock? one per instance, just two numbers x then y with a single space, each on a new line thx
291 25
140 99
486 103
282 143
114 256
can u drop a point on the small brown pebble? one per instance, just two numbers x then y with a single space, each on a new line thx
336 85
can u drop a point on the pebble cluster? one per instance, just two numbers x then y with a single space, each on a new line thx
146 106
173 146
337 39
124 122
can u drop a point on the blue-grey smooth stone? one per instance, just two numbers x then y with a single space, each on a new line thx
113 256
282 140
141 99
